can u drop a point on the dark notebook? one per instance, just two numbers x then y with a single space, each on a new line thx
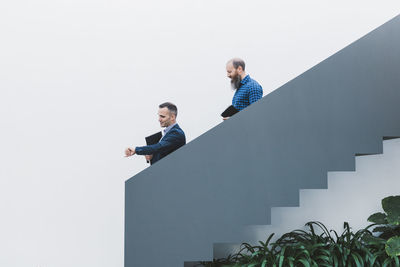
153 139
229 112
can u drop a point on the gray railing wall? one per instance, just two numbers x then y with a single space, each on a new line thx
231 176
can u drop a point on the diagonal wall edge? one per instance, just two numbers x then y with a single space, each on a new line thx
229 177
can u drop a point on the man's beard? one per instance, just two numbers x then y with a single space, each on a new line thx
235 82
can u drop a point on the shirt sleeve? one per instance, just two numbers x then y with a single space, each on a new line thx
255 94
168 143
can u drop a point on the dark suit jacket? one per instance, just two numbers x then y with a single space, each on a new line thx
172 140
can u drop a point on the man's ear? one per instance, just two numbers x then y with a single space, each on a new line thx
239 69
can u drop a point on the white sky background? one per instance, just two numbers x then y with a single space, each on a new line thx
81 80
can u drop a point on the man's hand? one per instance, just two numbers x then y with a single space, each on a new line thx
148 157
130 151
225 118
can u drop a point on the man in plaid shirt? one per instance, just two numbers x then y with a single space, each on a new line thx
247 90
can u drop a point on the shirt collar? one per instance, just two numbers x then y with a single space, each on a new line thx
168 128
245 80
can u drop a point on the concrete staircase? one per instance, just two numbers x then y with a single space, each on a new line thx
350 196
210 190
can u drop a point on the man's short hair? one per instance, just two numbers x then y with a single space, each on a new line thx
236 62
171 107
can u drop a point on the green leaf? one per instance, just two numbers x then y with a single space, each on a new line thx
382 229
304 262
323 258
394 219
372 260
379 218
387 262
355 259
291 260
282 257
393 246
391 205
264 263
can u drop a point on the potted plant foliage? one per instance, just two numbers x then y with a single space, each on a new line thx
319 247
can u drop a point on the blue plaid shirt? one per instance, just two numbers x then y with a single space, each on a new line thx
249 92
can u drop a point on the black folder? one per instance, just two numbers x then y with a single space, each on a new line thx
153 139
229 112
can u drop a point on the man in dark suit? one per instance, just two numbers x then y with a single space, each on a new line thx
172 136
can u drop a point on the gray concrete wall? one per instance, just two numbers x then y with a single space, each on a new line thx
231 176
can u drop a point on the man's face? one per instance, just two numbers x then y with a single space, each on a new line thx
234 75
231 72
165 117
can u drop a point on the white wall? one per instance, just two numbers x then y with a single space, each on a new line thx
81 80
351 196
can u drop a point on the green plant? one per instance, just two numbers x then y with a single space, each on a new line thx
314 247
317 246
387 224
329 249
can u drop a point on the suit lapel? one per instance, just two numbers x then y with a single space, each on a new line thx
176 125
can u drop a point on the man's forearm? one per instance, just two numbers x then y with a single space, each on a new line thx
147 150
